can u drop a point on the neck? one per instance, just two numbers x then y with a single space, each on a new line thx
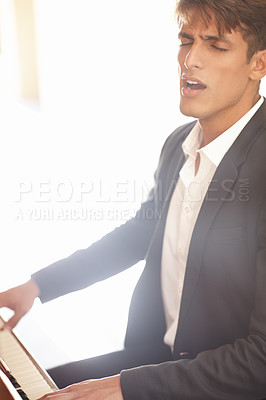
214 127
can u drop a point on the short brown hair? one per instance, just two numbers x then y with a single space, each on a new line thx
246 16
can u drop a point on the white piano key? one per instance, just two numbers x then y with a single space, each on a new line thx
22 367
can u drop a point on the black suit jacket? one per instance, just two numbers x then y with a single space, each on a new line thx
220 346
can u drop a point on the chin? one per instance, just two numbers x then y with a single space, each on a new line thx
189 111
193 109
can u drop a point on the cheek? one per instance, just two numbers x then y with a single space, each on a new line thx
229 79
238 80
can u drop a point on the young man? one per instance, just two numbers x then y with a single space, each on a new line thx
198 313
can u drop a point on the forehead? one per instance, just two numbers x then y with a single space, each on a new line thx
201 27
210 32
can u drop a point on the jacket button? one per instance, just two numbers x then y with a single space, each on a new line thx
184 353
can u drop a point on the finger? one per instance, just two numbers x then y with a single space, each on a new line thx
12 322
58 396
72 392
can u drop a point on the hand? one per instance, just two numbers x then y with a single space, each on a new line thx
19 299
99 389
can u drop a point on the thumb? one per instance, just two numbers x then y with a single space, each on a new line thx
12 322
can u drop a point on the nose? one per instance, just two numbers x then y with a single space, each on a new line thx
193 58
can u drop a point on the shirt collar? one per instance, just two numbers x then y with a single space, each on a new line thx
216 149
193 141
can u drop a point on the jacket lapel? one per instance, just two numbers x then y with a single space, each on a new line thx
217 193
177 163
220 189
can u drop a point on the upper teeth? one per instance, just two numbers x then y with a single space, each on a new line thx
192 82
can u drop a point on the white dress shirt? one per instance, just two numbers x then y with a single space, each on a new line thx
183 211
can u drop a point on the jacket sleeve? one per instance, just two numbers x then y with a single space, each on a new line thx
115 252
118 250
236 371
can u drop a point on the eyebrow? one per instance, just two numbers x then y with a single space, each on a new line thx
207 38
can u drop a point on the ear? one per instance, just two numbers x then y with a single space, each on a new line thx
258 65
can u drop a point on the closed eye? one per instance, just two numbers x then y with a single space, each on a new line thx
185 44
218 48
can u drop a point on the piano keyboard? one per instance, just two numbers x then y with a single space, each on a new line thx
29 380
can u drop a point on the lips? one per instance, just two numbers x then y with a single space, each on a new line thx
191 86
194 85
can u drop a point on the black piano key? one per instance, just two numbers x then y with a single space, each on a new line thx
27 379
14 382
22 394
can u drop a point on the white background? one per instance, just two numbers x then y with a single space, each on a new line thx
108 100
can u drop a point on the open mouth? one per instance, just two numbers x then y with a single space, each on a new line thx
194 85
191 87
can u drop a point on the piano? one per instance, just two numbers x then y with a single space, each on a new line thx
21 377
